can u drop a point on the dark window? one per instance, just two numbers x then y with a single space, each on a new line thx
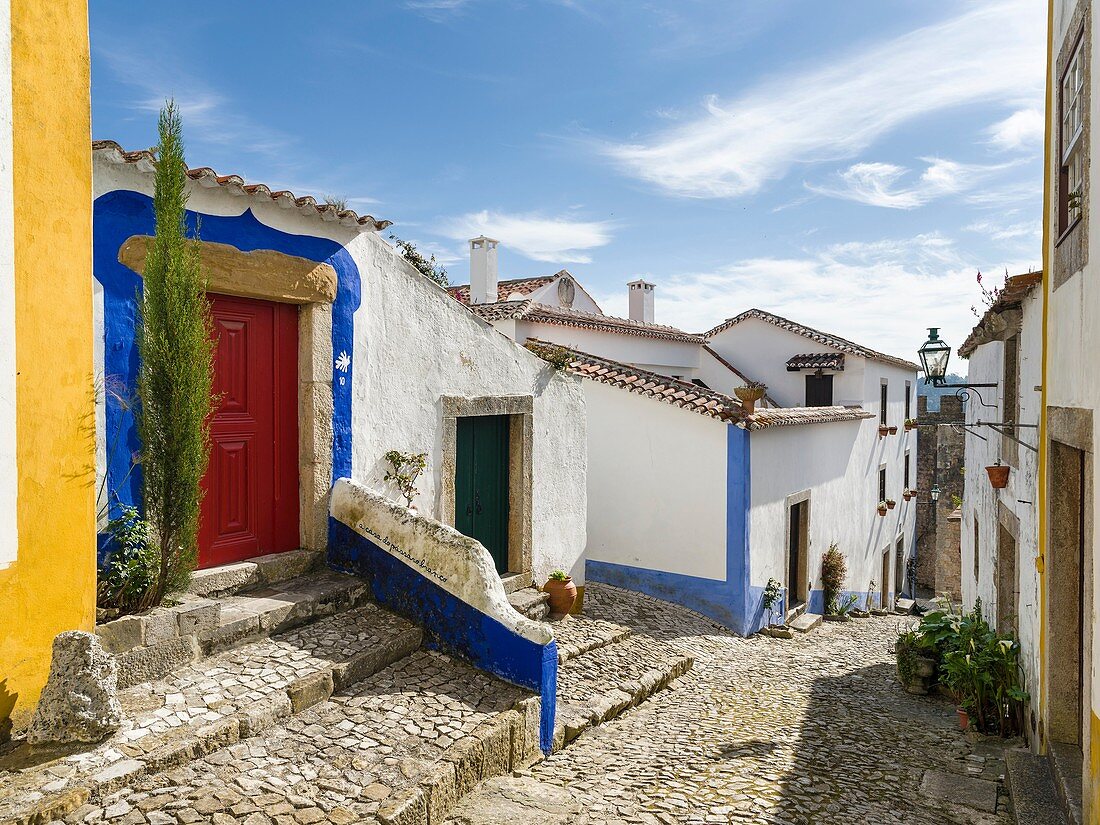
882 484
907 471
882 404
1011 412
908 400
977 548
819 390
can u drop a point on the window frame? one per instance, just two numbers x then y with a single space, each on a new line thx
819 376
1070 162
883 401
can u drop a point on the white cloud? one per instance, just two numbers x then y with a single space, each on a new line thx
833 112
1020 130
883 294
877 184
541 238
1030 231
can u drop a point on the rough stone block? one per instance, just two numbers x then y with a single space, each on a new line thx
309 690
235 624
371 661
966 790
279 567
228 578
143 664
440 789
117 775
199 618
406 808
468 757
497 739
282 612
57 806
121 634
259 716
525 734
161 625
80 700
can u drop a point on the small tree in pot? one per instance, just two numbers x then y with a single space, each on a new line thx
834 569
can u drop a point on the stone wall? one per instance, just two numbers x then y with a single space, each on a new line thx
939 461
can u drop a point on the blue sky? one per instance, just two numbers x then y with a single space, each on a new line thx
850 165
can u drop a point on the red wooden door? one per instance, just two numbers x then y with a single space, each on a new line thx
250 506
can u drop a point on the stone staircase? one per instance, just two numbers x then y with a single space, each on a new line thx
1033 786
315 705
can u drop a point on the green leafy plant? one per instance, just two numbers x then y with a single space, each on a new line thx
127 581
773 594
559 576
425 266
557 357
846 606
176 371
404 470
870 593
956 501
834 569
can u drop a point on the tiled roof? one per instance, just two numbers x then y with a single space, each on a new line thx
828 339
707 349
529 310
505 289
145 160
1015 290
816 361
685 394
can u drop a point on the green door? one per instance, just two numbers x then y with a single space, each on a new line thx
481 483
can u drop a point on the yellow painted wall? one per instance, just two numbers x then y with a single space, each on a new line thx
51 585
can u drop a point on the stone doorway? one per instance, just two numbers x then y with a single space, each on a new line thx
798 549
884 587
899 566
1007 589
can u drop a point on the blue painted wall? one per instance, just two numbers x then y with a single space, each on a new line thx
733 603
118 215
451 624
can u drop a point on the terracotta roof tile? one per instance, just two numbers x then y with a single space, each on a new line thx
1015 290
529 310
816 361
145 160
684 394
505 289
826 338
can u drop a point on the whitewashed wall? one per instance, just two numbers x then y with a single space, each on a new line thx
414 344
656 484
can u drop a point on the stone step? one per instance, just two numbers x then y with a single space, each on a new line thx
259 571
150 645
515 581
806 623
398 748
532 603
580 634
200 709
1035 798
601 684
1067 766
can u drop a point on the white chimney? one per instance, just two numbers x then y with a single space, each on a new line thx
641 301
483 270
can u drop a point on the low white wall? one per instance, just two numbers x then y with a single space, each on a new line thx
656 484
414 344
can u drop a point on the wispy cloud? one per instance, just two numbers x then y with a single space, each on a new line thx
539 237
883 294
881 184
1020 130
830 113
1024 231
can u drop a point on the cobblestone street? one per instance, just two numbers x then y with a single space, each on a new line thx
811 730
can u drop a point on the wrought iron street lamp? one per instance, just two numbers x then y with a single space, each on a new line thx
934 355
935 492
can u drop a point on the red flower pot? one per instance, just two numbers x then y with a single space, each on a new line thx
964 718
883 431
998 476
563 595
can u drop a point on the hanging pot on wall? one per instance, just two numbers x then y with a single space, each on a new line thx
998 475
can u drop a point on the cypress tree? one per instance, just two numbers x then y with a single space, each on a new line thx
175 376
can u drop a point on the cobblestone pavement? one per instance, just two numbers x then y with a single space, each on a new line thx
808 731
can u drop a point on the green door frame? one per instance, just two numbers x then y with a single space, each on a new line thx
481 483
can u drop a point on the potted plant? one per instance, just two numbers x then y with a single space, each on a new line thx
910 424
773 595
749 394
883 431
893 430
882 507
834 569
998 475
563 593
916 671
891 504
908 494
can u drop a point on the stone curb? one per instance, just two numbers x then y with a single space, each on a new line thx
183 745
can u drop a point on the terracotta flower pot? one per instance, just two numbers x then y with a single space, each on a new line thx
891 504
910 425
883 431
964 718
748 396
882 509
998 476
893 431
563 595
907 495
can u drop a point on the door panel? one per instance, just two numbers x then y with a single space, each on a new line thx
250 503
481 483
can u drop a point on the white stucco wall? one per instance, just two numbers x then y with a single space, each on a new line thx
665 357
656 484
414 344
982 503
9 536
549 295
